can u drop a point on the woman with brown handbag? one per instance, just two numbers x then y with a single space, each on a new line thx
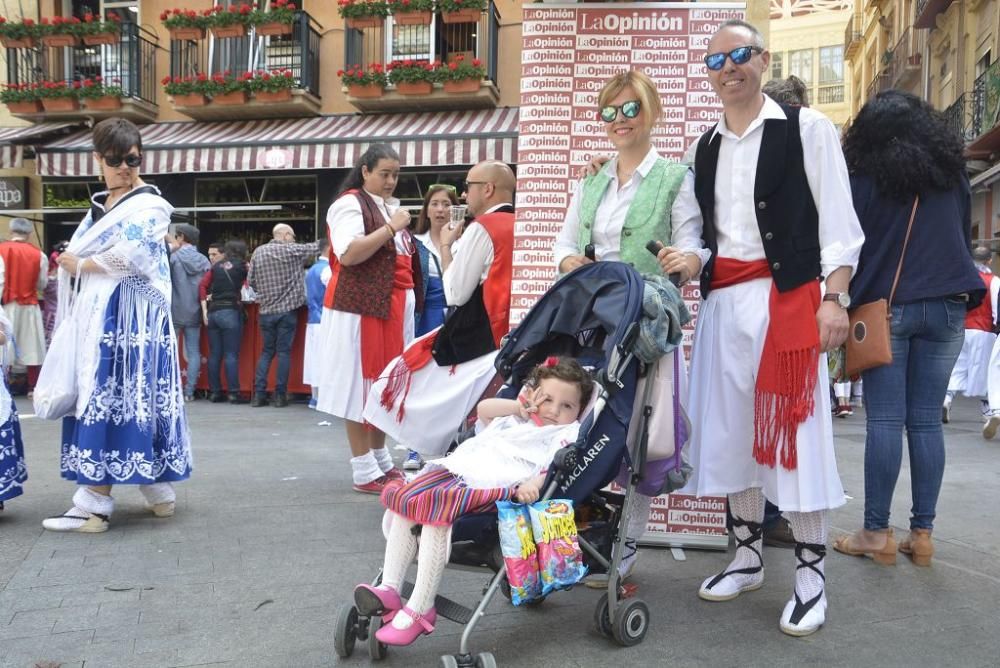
907 170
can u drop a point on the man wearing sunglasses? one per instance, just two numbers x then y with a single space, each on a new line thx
774 193
23 274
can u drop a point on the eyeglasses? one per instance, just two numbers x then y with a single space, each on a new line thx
446 186
132 160
629 109
739 56
474 183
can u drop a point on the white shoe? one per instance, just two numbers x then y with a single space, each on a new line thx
413 461
77 520
991 426
728 587
809 616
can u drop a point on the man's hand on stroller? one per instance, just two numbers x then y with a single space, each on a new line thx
530 490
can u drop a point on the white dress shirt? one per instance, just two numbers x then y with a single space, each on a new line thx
472 256
345 222
840 235
685 216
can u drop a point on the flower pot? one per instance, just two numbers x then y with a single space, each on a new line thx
234 98
414 87
234 30
106 103
101 38
274 28
362 22
369 90
187 33
23 43
26 107
413 18
61 40
461 86
60 103
283 95
462 16
192 100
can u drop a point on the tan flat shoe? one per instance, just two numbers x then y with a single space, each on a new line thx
885 556
919 547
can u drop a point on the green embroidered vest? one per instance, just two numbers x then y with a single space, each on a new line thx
648 215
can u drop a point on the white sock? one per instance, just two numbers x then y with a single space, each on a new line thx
365 468
383 458
747 505
158 492
431 560
809 528
400 546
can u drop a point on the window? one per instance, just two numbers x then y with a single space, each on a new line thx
831 75
800 63
777 69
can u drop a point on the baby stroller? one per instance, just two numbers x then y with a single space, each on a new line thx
592 314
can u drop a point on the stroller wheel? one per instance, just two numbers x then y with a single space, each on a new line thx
345 632
602 619
376 649
485 660
449 661
631 623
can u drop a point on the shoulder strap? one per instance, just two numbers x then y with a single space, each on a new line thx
906 240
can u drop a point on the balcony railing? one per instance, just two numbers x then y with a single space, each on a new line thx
298 52
959 116
985 98
927 11
438 41
853 36
904 65
130 64
881 82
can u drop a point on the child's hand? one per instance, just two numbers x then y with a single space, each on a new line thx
528 404
527 492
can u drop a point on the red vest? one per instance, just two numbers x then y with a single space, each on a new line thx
981 317
22 264
496 287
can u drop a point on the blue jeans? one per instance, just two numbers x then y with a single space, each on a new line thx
225 332
277 331
192 355
927 337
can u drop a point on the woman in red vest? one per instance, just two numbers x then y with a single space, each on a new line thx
369 305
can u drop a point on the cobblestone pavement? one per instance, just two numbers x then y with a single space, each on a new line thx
269 539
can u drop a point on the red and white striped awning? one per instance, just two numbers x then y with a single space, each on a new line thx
12 141
434 139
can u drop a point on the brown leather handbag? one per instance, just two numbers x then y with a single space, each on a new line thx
868 342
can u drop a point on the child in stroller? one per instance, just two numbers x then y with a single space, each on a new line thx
505 461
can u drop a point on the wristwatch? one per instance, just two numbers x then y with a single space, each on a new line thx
842 298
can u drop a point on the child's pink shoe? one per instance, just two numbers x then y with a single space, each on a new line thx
422 625
373 601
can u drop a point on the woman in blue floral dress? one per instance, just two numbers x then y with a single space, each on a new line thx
13 472
128 426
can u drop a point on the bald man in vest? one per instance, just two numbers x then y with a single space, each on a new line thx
23 275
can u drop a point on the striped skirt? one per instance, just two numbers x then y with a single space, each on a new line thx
439 498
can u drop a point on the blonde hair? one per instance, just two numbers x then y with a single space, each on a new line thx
645 90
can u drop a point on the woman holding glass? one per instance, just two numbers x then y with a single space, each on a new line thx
128 426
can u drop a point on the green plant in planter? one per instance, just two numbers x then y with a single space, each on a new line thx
188 85
360 9
93 25
272 82
56 89
356 75
458 5
61 25
19 29
221 17
411 71
281 11
226 83
461 69
96 88
406 6
183 18
25 92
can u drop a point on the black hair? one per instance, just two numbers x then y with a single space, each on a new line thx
370 160
323 244
116 137
236 250
218 245
904 145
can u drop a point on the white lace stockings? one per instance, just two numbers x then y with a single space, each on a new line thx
812 529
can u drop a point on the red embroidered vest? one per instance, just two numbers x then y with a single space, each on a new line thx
496 287
21 268
981 317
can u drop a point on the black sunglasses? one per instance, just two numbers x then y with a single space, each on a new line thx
629 109
132 160
739 56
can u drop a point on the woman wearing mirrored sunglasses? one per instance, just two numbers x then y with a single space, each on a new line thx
128 424
617 211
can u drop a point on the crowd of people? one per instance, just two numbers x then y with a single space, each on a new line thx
784 225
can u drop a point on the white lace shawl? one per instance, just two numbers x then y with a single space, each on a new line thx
127 243
507 452
6 405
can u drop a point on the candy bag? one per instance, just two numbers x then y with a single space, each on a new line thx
560 562
519 554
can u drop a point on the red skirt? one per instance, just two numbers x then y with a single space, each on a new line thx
439 498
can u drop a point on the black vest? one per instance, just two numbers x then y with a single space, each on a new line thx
227 282
786 213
